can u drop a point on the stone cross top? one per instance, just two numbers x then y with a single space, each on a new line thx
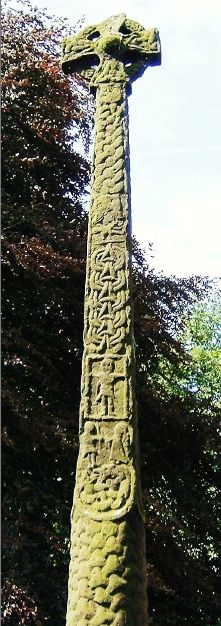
107 579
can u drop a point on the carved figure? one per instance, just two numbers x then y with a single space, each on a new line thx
107 547
121 444
89 444
105 392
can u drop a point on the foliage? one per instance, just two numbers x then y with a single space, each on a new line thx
44 250
201 339
181 473
43 254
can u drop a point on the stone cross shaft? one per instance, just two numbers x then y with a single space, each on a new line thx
107 578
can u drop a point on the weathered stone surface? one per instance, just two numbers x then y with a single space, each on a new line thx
116 50
107 583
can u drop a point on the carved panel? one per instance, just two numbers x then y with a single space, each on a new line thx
108 222
107 309
105 474
106 389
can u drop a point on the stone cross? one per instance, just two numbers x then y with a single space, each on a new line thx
107 578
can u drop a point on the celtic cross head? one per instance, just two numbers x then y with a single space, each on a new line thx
116 50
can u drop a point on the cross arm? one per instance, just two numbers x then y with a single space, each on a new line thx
130 47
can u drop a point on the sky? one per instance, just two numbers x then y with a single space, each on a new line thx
175 130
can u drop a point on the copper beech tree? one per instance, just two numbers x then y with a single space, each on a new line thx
43 257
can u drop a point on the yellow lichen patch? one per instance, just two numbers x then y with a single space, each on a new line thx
115 583
112 546
97 559
101 596
85 609
103 616
98 579
112 564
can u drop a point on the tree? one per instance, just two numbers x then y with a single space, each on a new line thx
201 339
44 250
181 473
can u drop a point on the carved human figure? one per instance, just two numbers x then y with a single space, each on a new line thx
88 449
105 387
121 444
